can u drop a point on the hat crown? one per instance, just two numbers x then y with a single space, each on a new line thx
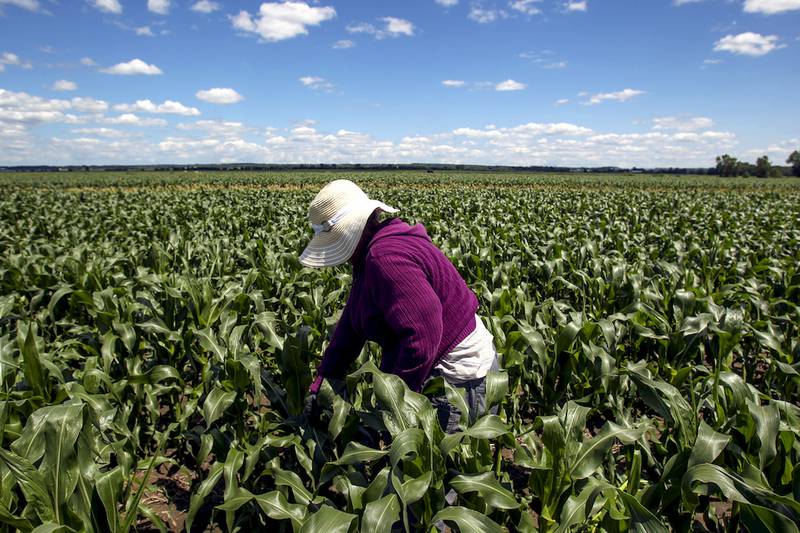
332 198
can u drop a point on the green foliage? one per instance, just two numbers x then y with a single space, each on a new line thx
159 327
794 160
728 166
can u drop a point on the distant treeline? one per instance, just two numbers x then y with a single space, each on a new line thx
352 167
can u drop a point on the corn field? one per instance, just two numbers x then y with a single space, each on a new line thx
158 335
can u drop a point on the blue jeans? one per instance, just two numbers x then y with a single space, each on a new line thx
475 389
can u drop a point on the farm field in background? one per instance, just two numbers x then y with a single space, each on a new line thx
157 336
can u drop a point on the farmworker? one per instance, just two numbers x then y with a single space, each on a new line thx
406 296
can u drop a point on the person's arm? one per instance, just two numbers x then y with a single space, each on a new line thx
412 310
344 347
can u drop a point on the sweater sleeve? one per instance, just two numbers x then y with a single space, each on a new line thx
412 310
343 349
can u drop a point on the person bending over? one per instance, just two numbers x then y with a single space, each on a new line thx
406 296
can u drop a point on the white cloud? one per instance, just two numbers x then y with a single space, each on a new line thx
109 6
771 7
619 96
218 128
64 85
481 15
279 21
779 150
447 3
23 108
167 107
684 2
562 101
30 5
575 5
392 27
132 67
205 6
129 119
219 95
160 7
527 7
101 132
509 85
11 59
712 61
397 26
546 59
453 83
89 105
748 43
144 31
316 83
343 44
682 123
563 144
88 62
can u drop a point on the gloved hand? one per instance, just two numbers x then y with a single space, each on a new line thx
311 408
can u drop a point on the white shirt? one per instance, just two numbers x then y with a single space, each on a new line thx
472 358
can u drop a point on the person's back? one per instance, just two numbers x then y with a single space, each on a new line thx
409 279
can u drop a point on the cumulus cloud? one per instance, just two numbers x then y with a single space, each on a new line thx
101 132
22 107
108 6
509 85
167 107
205 6
89 105
447 3
25 109
453 83
684 2
133 67
144 31
748 43
575 5
130 119
11 59
218 128
484 16
528 7
160 7
30 5
64 85
219 95
88 62
534 143
279 21
343 44
771 7
682 123
391 27
562 101
316 83
619 96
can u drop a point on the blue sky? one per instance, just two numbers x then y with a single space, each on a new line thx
518 82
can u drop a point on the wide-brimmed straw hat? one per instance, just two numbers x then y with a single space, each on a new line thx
338 215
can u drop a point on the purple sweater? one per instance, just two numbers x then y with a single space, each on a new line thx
407 297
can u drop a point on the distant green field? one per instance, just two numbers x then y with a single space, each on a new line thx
190 179
157 334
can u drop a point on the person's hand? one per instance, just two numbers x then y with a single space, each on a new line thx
311 408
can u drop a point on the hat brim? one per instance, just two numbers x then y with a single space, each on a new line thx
336 246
